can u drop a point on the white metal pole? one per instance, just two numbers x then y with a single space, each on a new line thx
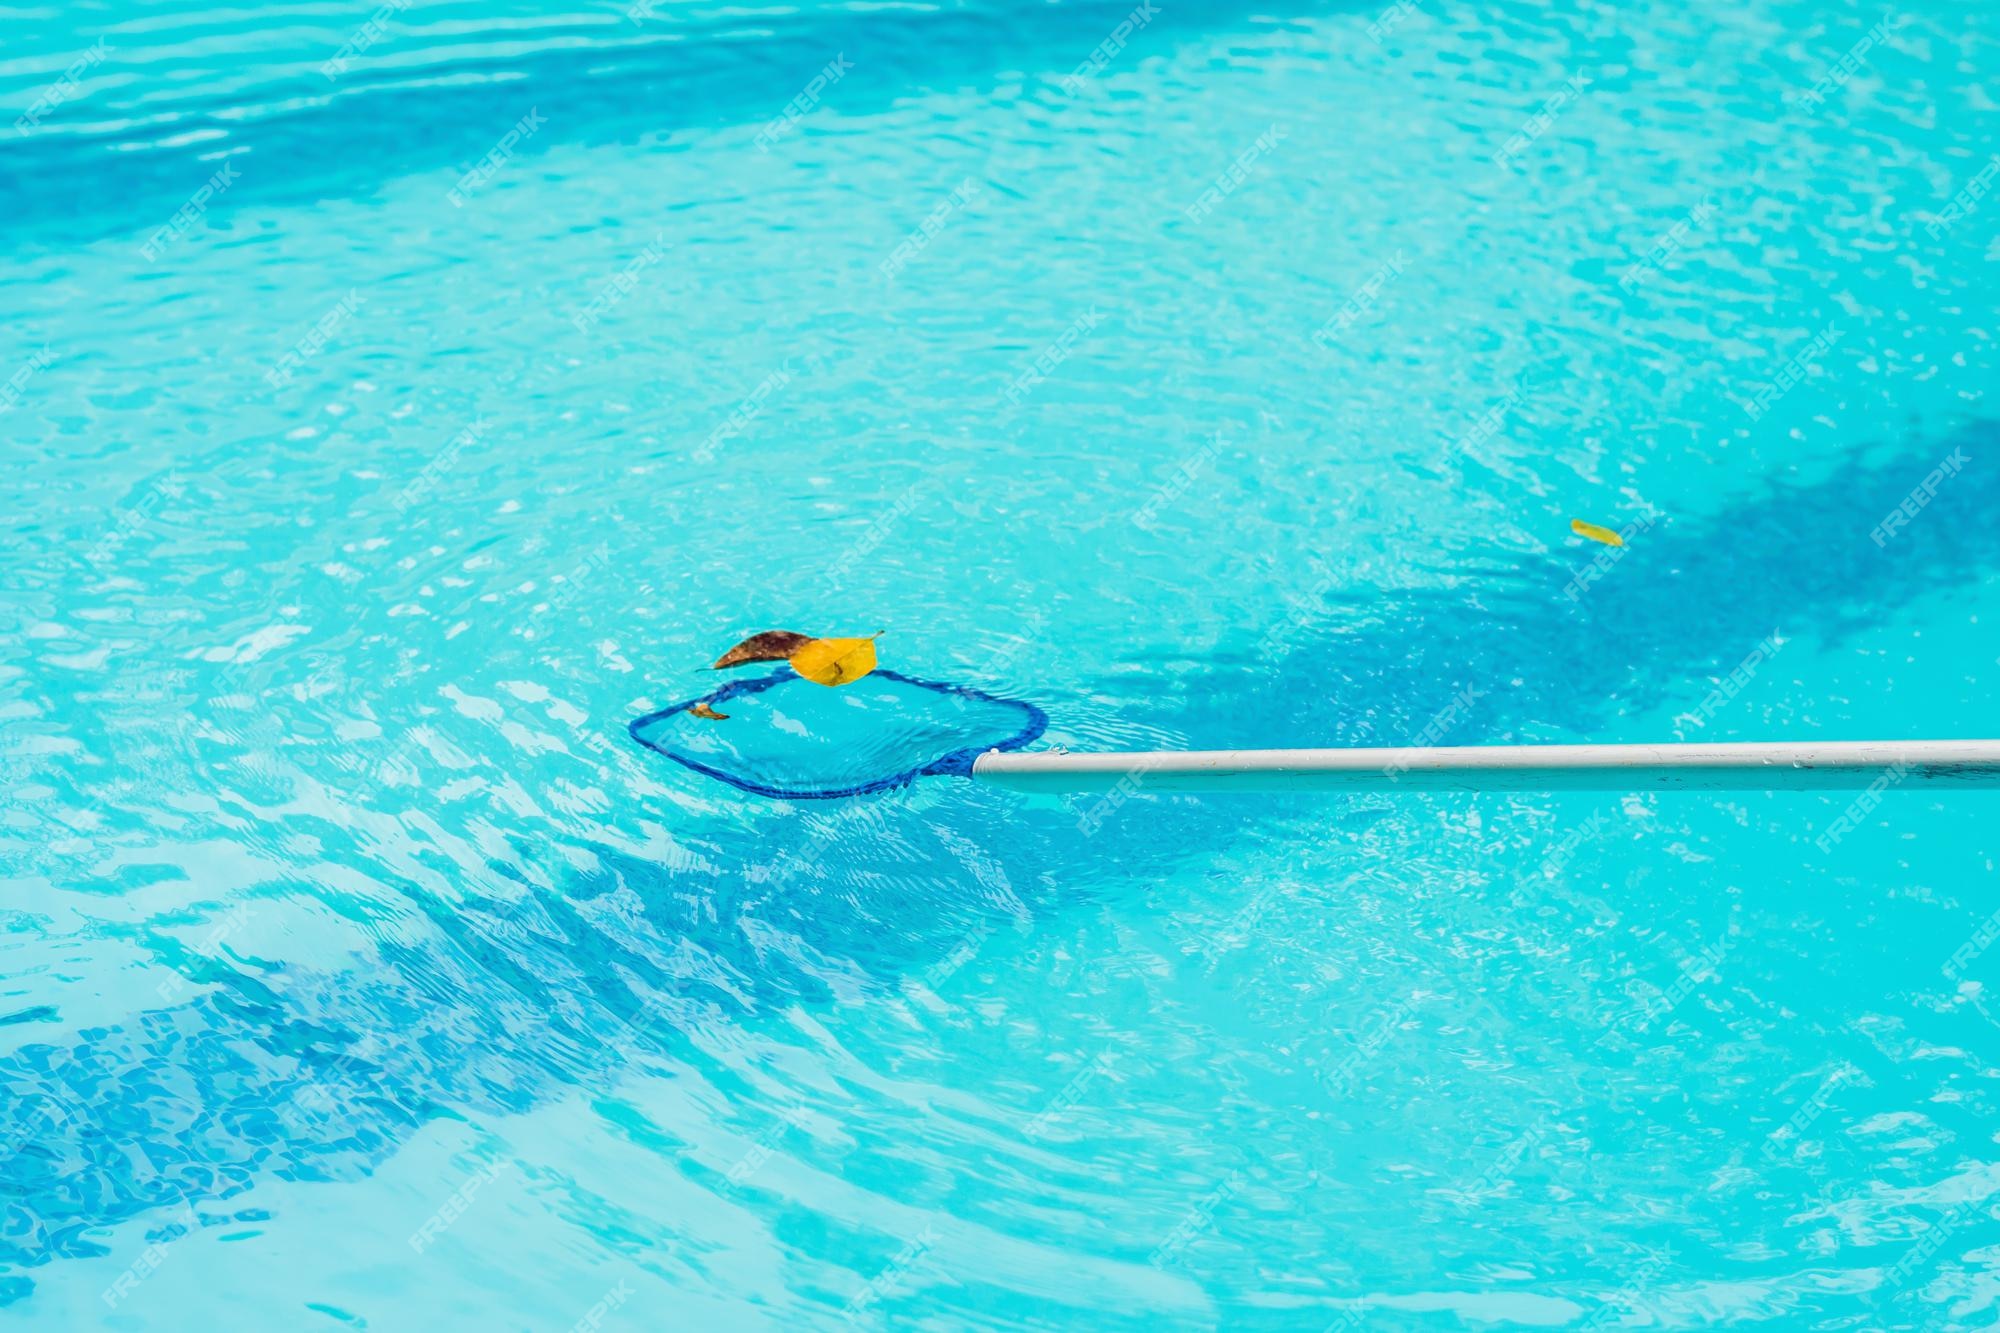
1740 766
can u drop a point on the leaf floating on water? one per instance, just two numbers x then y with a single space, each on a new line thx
772 645
1595 533
836 661
703 710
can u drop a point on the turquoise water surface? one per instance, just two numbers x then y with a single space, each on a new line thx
398 401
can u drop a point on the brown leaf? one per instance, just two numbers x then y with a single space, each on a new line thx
703 710
773 645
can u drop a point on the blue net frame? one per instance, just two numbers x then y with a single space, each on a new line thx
957 763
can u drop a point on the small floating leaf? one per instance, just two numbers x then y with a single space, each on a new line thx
703 710
1595 533
772 645
835 661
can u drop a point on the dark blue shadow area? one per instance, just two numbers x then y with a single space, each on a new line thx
64 189
521 993
1515 658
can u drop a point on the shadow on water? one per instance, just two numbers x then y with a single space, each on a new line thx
510 1000
377 129
1685 602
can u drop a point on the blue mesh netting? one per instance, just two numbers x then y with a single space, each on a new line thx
788 737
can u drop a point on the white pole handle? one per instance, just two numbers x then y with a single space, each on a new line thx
1740 766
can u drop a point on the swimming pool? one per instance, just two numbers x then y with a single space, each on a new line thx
401 400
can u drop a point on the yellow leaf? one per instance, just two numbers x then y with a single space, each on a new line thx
1595 533
836 661
703 710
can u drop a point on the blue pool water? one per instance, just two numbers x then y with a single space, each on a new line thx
384 437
